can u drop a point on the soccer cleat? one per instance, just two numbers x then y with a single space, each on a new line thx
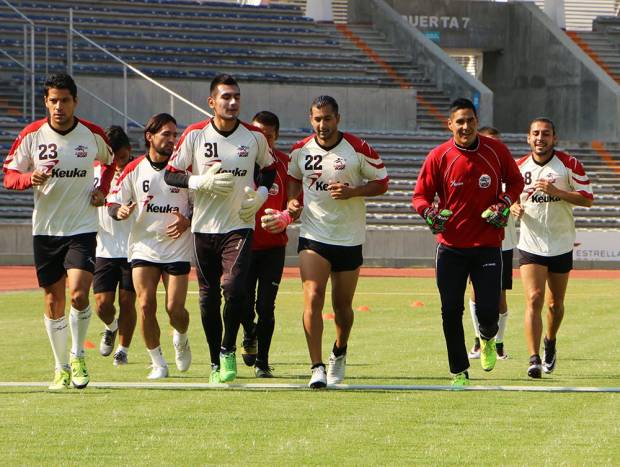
319 378
499 349
183 356
158 372
474 353
488 354
228 367
549 357
250 349
263 371
460 380
535 368
62 380
120 358
336 368
214 377
107 342
79 372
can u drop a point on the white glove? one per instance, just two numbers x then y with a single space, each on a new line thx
275 221
252 202
213 182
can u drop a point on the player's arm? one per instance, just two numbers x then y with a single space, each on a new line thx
344 191
293 194
121 202
17 168
425 187
581 193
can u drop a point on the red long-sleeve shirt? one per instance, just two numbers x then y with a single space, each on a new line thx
467 182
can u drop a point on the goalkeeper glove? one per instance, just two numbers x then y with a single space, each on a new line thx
436 219
213 182
497 214
275 221
252 202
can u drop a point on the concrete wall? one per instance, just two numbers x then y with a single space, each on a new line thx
450 77
360 107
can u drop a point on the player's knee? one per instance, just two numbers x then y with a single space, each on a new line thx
556 308
535 297
79 299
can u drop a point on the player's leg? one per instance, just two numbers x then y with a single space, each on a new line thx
209 271
175 282
106 278
475 350
503 304
452 273
80 266
126 314
534 277
145 279
236 257
250 339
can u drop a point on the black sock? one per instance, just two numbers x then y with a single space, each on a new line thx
338 351
535 359
318 365
550 344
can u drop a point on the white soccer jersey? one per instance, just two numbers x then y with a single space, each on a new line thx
200 146
61 205
547 225
156 201
510 235
112 236
352 161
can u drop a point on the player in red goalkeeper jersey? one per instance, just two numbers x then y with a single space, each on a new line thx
466 174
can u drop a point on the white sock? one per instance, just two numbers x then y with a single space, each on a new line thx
157 357
113 326
120 348
179 339
79 321
474 318
503 320
57 332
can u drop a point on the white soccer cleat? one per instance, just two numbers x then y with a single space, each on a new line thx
183 356
336 368
319 378
158 372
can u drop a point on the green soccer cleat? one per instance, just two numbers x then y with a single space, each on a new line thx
488 354
62 380
460 380
79 372
228 367
214 377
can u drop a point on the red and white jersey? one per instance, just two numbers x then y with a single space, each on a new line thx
547 225
467 182
510 235
61 205
201 146
156 202
351 161
113 235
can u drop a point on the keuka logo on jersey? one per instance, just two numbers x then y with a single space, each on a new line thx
161 209
81 151
74 173
237 172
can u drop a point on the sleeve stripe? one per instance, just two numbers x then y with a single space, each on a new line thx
376 166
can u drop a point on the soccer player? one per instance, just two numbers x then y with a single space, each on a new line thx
112 269
555 182
467 173
221 153
508 245
336 171
267 263
56 156
159 245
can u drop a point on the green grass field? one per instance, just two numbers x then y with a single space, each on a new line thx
393 343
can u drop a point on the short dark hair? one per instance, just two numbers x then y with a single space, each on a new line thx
60 81
155 123
462 103
267 118
118 138
489 130
224 78
322 101
544 120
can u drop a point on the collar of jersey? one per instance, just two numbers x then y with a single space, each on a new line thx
225 134
156 165
472 148
64 132
329 148
542 164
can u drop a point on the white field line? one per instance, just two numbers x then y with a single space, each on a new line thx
297 387
411 294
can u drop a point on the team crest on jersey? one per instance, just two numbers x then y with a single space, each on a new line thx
339 164
243 151
274 190
81 151
484 181
550 177
175 189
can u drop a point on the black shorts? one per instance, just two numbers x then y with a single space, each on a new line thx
559 264
341 258
176 268
507 269
54 255
110 273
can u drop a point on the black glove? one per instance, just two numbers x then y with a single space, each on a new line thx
436 219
